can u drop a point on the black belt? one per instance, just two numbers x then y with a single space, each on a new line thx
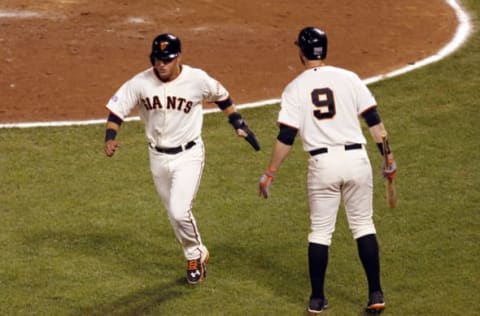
175 150
324 150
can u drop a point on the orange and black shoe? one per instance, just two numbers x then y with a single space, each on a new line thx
197 269
376 303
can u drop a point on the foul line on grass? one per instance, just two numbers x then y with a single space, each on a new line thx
464 29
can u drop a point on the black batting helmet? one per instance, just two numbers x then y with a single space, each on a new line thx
165 46
313 43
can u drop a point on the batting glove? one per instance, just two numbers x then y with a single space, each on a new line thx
390 172
264 183
238 123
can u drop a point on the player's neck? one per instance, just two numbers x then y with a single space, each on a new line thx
176 73
309 64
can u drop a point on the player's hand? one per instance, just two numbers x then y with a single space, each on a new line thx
241 133
389 172
110 147
241 127
264 183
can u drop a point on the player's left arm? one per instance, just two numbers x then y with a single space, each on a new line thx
379 133
239 124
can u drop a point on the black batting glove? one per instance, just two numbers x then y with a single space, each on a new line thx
236 120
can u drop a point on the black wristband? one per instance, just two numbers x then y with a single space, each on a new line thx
380 147
110 134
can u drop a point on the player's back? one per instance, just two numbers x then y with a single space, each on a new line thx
329 100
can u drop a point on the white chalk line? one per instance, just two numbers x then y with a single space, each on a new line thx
20 14
463 31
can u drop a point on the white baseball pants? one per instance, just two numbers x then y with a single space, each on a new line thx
177 179
333 176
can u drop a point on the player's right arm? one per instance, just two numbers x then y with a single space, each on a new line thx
111 129
119 106
285 139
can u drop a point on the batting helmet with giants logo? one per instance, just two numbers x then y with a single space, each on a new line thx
164 47
313 43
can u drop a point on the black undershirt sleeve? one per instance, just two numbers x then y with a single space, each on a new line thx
287 134
115 119
224 104
371 117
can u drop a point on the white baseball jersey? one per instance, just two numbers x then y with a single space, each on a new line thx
172 111
323 103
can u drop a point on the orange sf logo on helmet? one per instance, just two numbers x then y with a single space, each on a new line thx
163 45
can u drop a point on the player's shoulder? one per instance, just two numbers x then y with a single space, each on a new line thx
338 71
143 75
139 80
193 71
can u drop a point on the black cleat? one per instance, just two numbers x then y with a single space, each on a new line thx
317 305
376 303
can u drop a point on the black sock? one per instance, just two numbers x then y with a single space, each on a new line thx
369 255
317 263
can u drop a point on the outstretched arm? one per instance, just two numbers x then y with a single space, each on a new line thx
279 154
238 123
281 149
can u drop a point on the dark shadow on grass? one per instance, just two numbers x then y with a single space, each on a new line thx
265 267
115 247
140 302
272 268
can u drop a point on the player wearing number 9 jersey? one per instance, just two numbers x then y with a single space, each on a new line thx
323 104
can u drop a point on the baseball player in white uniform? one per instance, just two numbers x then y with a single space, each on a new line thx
323 104
169 97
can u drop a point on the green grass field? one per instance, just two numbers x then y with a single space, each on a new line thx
86 235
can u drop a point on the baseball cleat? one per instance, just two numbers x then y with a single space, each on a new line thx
376 303
197 269
317 305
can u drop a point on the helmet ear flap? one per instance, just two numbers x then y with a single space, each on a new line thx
323 54
325 49
152 59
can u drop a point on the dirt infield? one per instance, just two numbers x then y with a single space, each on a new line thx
62 60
